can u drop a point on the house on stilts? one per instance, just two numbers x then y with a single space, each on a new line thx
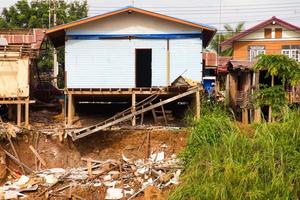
19 49
273 36
130 53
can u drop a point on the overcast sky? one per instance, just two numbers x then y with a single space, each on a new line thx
205 11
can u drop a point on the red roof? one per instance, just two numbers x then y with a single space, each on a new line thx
222 64
31 37
259 26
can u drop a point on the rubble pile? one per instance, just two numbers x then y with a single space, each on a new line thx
124 178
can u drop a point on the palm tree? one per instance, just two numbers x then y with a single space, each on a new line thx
220 37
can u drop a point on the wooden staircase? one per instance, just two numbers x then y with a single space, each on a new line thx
141 107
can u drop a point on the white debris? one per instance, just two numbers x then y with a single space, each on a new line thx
114 193
50 179
142 170
126 159
157 157
22 180
107 177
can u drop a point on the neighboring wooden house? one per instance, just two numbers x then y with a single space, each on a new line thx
273 36
18 50
129 51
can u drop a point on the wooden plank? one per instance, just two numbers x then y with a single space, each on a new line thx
18 161
142 116
83 132
133 108
15 101
164 114
19 114
27 113
70 109
154 114
197 104
37 155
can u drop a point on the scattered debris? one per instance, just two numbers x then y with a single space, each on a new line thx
123 178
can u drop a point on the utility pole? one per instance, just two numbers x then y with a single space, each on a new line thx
55 63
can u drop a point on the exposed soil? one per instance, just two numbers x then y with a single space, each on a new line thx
99 146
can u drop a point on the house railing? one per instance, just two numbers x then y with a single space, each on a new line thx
244 99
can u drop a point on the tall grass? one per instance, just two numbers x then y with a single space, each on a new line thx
223 162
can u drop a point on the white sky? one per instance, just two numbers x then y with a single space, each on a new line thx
205 11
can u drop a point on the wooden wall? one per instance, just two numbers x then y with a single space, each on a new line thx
272 47
14 78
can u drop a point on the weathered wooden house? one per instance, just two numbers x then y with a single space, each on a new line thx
273 36
129 52
19 49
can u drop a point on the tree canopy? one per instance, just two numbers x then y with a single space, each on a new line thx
287 69
221 37
35 14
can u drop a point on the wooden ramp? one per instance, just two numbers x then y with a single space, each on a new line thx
128 114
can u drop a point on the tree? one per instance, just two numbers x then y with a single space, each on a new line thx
35 14
287 70
220 37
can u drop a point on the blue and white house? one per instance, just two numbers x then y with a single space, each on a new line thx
131 48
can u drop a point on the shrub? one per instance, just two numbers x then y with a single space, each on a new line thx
222 162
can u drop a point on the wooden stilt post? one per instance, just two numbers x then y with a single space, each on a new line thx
197 105
70 109
27 112
257 111
19 113
133 108
245 118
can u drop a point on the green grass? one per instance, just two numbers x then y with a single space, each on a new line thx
223 162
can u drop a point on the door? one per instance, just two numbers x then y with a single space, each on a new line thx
143 67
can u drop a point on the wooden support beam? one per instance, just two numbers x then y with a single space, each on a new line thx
245 118
142 117
197 105
164 114
133 108
19 114
100 126
154 114
70 109
34 151
27 112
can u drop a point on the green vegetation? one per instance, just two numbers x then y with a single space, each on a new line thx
221 37
223 161
275 96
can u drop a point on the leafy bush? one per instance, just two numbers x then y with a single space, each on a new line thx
223 162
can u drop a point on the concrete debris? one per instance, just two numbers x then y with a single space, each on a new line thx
114 193
22 180
125 178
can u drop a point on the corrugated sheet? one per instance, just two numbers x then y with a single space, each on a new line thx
186 58
111 63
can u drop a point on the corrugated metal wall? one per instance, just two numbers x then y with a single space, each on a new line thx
186 58
111 63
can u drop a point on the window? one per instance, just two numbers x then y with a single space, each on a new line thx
292 51
268 33
278 33
254 51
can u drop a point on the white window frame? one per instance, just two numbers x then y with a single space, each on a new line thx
290 53
253 53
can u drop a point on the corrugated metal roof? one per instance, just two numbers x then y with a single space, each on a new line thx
57 33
